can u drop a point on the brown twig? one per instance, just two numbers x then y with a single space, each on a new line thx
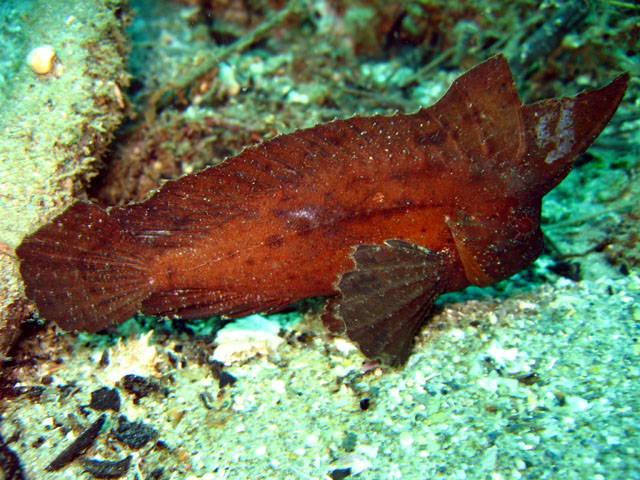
218 55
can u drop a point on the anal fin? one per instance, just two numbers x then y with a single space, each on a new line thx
386 297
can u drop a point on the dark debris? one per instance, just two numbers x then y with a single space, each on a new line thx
226 379
10 467
78 446
105 399
139 386
570 270
106 468
133 434
340 473
33 393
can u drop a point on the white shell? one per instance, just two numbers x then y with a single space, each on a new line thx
42 59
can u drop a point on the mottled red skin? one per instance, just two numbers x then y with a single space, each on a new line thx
297 246
463 180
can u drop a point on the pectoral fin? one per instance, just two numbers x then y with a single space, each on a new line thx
385 298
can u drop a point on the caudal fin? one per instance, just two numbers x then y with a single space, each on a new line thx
84 271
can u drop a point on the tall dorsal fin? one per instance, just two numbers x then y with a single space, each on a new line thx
480 119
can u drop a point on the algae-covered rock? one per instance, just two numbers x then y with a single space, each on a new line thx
55 124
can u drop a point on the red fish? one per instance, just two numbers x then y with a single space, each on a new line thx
384 213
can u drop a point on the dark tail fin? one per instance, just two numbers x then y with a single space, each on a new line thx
84 271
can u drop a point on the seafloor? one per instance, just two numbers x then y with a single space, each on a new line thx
535 377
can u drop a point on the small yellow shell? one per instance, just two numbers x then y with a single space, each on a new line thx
42 59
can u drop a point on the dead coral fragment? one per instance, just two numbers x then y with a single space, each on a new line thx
133 357
246 338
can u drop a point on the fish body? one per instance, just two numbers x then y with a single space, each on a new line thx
382 213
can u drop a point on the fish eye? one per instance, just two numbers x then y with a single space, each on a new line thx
523 224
